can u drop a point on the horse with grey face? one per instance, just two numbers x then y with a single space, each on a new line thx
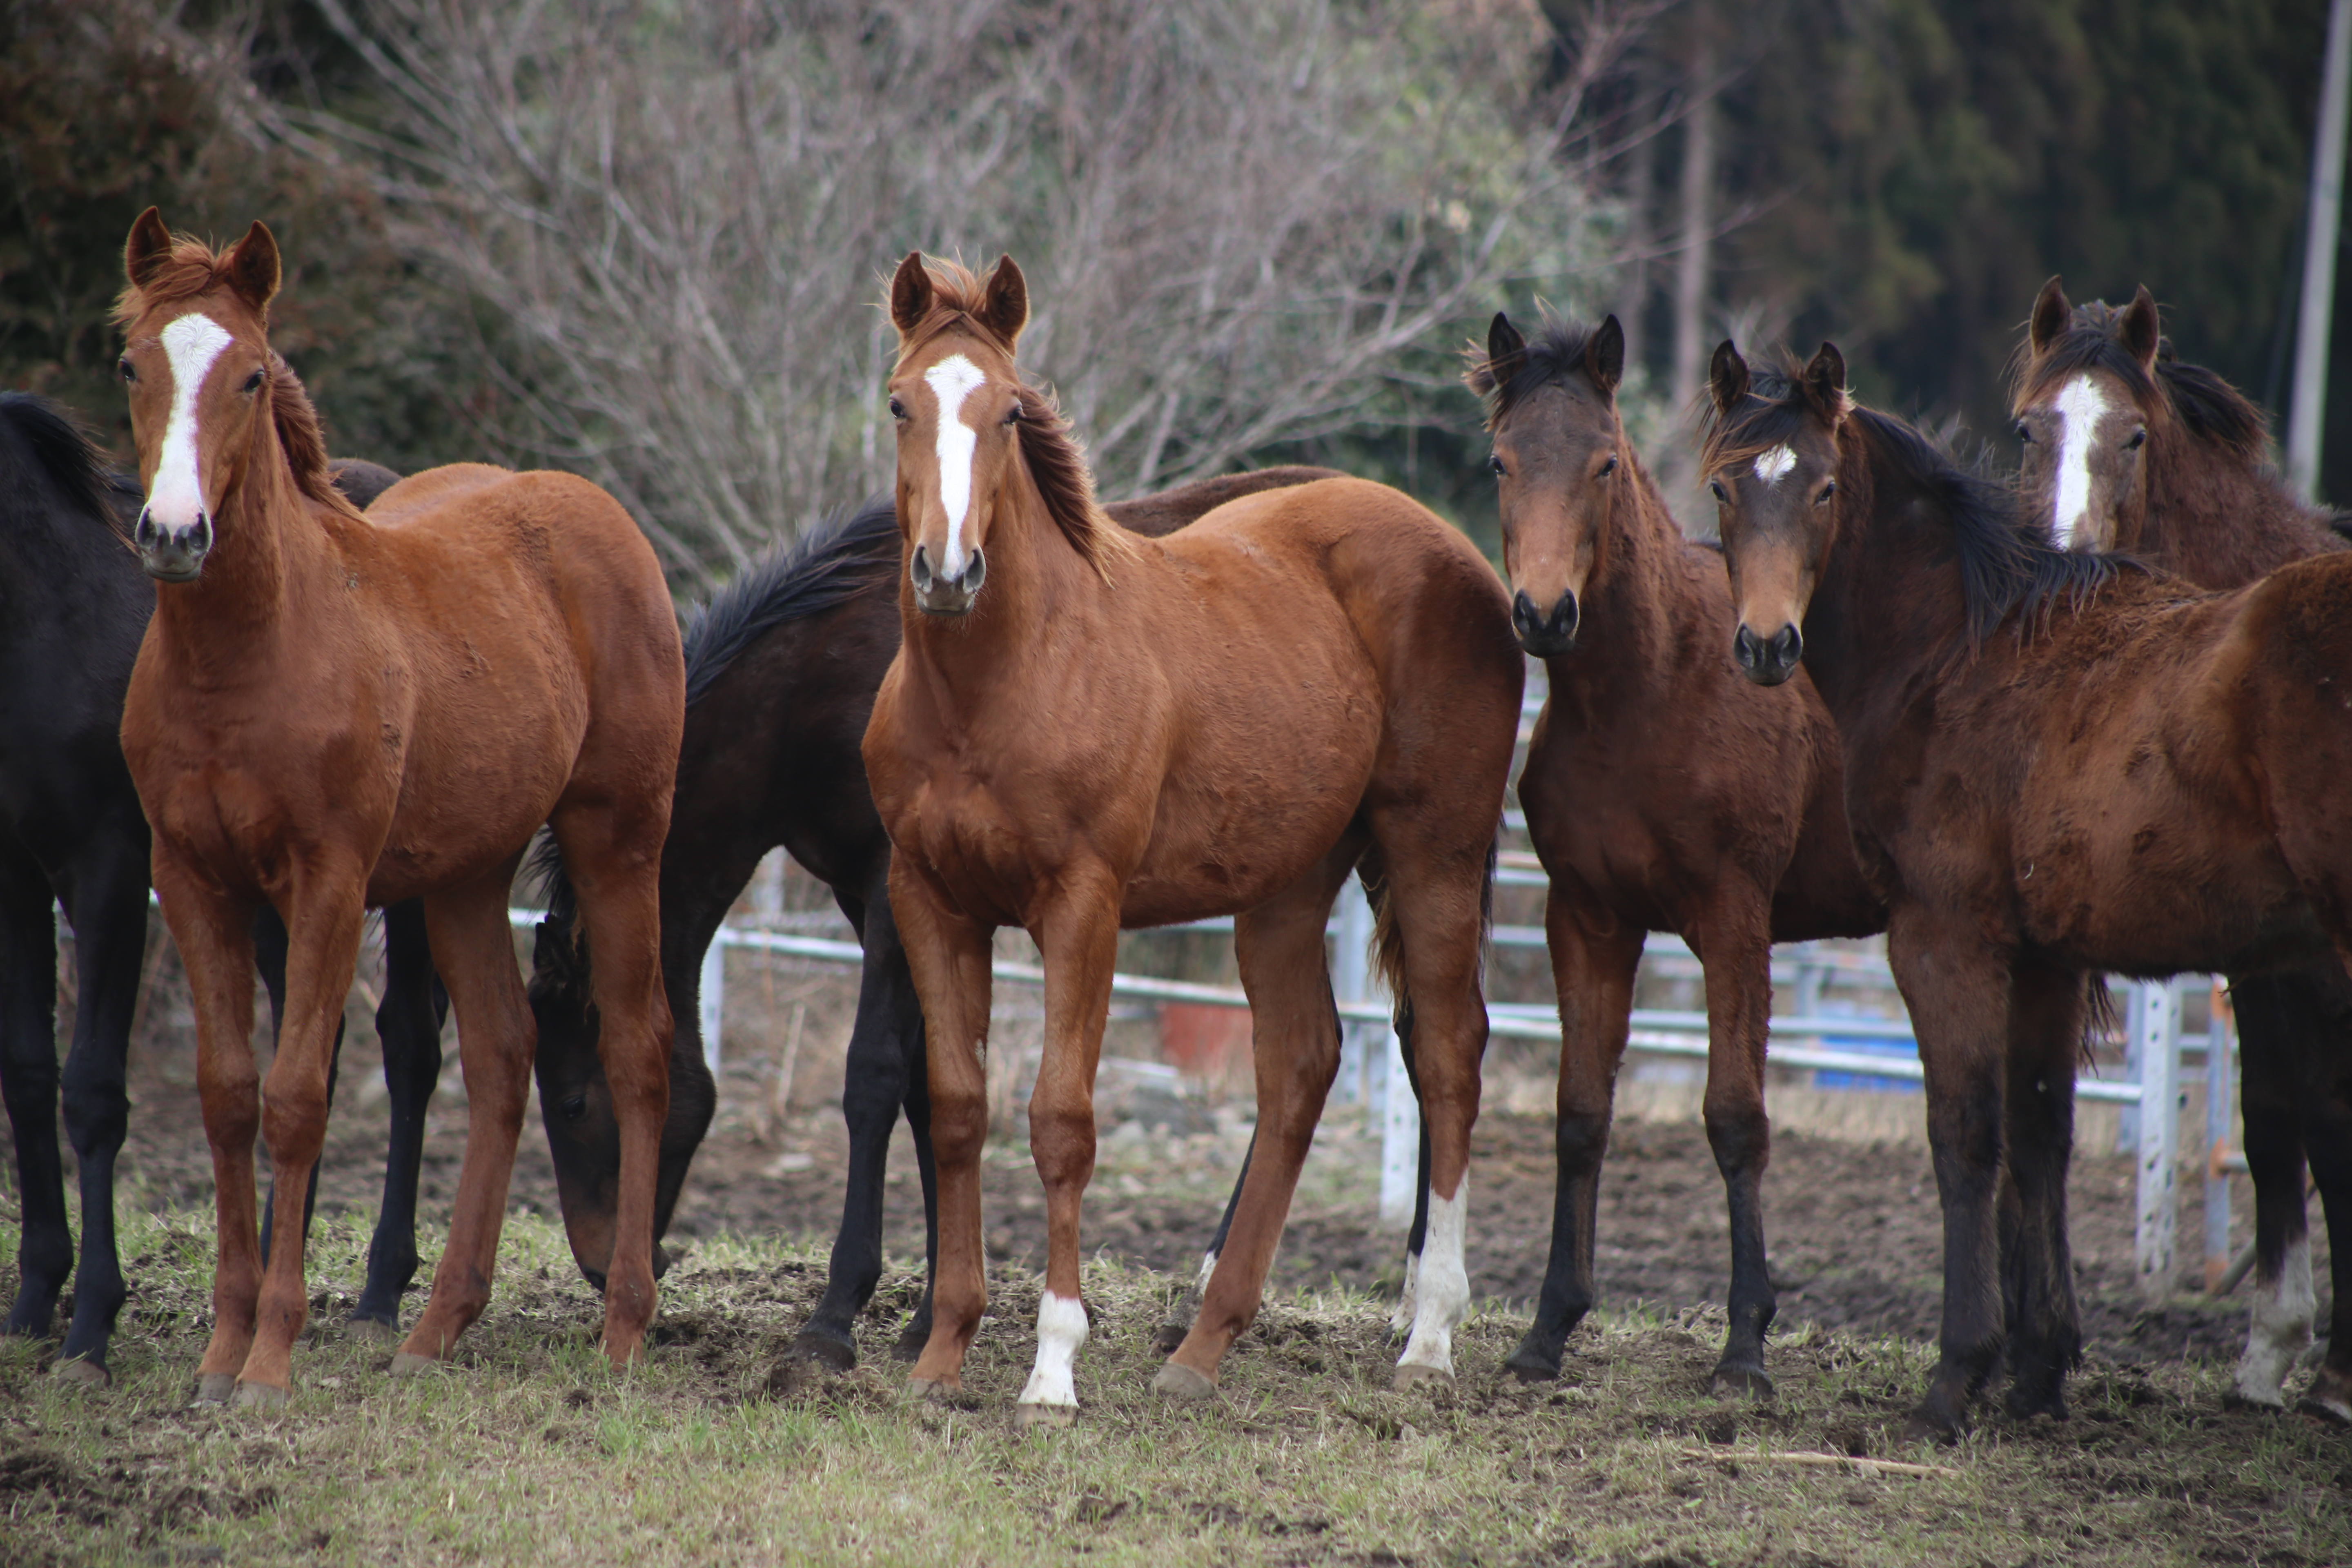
2129 447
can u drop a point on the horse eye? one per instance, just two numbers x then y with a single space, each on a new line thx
1717 486
1607 468
2023 433
253 381
127 373
573 1107
2138 439
897 409
1828 490
1013 415
1495 465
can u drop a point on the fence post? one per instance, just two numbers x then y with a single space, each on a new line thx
1355 981
713 1011
2221 1041
2156 1037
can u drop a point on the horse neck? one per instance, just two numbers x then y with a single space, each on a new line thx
1631 602
1890 607
2218 519
1035 578
263 541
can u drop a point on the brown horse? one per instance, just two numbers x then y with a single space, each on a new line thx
2055 767
2127 448
330 713
1661 794
1085 731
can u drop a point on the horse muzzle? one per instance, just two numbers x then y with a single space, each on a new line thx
172 555
937 596
1544 635
1768 661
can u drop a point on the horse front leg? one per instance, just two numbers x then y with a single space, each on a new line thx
2327 1134
1956 987
28 1080
1594 958
109 919
949 957
2047 1005
1079 938
2272 1060
1735 943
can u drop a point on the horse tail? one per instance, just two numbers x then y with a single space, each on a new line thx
1388 939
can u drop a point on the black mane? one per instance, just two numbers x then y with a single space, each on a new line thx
840 558
1555 357
40 442
2212 408
2209 406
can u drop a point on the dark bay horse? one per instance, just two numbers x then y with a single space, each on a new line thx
2129 448
2055 766
781 665
1085 731
329 713
1661 793
73 603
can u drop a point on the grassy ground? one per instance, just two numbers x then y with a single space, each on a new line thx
529 1449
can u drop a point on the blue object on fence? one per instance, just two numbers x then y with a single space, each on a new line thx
1871 1046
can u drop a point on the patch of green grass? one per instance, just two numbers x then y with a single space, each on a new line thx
527 1448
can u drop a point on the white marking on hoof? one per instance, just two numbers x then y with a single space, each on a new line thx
2281 1328
1401 1321
1180 1381
2081 406
1061 1330
1409 1376
951 381
176 498
1441 1291
1772 467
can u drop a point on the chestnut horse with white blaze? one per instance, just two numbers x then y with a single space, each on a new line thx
330 713
1085 731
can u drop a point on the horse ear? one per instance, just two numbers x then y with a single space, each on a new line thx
253 270
2138 329
1005 304
1604 355
1825 378
1726 376
148 245
2051 314
1506 351
910 293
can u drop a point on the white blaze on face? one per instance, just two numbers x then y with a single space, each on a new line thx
1442 1290
2280 1329
176 498
951 381
1061 1330
2080 406
1772 467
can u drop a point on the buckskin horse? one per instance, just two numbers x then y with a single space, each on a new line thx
2055 766
1661 795
781 665
329 713
1085 731
2129 447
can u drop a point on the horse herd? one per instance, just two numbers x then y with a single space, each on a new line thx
2092 720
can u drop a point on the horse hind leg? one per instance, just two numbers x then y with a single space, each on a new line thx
2272 1013
408 1023
1186 1308
2044 1338
28 1081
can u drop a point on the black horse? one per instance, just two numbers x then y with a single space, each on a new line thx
73 607
781 667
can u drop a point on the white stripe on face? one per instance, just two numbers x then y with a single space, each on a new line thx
2081 406
1772 467
176 499
951 381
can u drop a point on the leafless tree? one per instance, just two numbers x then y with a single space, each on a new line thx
1246 222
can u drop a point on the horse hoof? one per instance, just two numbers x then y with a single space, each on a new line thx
908 1346
1413 1375
371 1330
1183 1383
821 1351
82 1370
214 1387
1925 1426
2334 1412
406 1364
259 1396
1751 1381
2025 1406
934 1390
1045 1417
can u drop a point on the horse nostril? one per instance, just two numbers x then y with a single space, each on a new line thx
1564 616
1789 648
1526 619
976 574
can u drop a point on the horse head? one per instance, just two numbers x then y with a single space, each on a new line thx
2085 399
1771 463
957 399
197 364
1560 459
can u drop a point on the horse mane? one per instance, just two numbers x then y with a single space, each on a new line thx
843 556
192 270
2008 564
1779 404
2209 406
1554 357
38 436
1055 459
